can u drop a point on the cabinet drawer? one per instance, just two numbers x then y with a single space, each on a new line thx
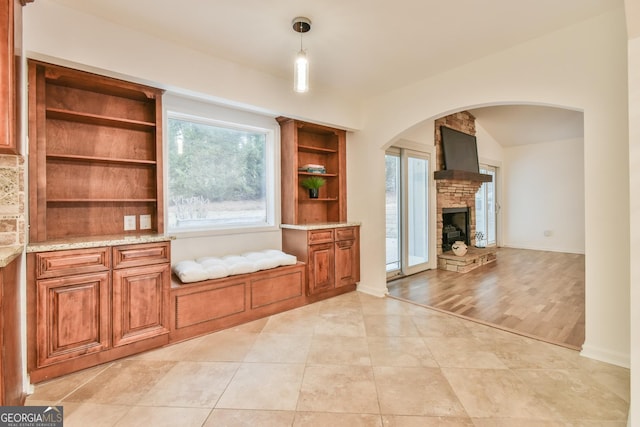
320 236
347 233
144 254
76 261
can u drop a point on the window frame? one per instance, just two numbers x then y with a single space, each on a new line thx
209 114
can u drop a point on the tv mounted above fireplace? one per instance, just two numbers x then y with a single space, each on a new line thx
460 150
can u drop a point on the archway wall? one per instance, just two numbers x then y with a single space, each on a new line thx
582 67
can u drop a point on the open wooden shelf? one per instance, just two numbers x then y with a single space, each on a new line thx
85 200
307 143
311 149
92 159
95 119
330 175
96 154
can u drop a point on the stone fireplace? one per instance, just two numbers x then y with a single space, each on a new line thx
456 199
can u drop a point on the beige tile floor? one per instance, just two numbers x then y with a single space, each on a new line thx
353 360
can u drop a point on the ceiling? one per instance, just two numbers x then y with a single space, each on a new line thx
360 48
512 125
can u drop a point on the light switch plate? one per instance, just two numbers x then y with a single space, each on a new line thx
129 222
145 222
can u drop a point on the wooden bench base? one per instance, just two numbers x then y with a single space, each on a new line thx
202 307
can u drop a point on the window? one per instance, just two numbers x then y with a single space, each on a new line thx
221 175
486 209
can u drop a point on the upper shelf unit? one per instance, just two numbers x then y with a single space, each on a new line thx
96 154
304 144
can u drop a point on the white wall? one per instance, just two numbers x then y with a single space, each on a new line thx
73 38
544 192
489 150
633 28
582 67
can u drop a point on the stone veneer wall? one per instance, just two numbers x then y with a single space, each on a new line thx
12 200
454 193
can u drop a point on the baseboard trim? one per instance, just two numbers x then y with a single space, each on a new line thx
603 355
376 292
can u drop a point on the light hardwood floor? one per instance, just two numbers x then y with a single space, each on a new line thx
536 293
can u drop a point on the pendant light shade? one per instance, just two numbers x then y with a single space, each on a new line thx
301 66
301 73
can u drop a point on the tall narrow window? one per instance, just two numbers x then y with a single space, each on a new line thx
486 209
392 209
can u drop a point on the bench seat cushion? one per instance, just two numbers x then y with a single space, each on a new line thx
206 268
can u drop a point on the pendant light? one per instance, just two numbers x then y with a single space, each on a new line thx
301 66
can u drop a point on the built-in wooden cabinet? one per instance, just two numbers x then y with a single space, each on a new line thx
88 306
302 144
95 155
347 256
315 230
11 388
10 62
332 255
72 317
140 292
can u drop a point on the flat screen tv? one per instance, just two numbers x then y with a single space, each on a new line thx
460 150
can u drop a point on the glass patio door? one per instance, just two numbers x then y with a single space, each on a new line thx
407 212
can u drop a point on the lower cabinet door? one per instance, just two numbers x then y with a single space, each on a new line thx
321 268
140 303
346 263
73 317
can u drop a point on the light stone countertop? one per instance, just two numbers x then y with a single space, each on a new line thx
9 253
88 242
320 226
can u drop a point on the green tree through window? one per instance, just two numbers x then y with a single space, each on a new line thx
217 175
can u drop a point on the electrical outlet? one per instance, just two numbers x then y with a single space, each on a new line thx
145 222
129 222
548 233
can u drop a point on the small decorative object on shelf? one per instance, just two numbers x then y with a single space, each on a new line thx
459 248
313 168
313 184
480 239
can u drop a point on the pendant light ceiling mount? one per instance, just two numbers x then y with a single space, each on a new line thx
301 24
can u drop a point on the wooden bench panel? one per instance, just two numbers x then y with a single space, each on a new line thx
211 305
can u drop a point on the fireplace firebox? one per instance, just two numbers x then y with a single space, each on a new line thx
455 226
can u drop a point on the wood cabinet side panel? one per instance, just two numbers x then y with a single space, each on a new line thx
37 155
8 142
11 360
158 218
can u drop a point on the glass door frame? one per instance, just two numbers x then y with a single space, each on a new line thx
406 149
